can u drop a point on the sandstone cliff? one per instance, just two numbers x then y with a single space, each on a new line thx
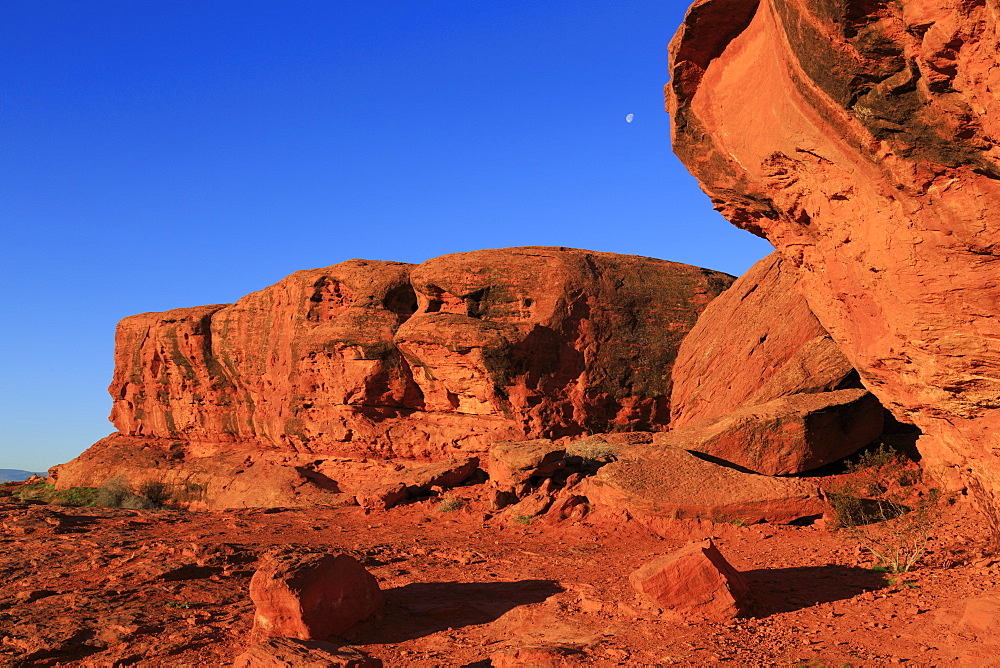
861 140
400 361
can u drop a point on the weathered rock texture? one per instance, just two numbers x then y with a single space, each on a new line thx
760 384
862 140
695 581
389 360
758 341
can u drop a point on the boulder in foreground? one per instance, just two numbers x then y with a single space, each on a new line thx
695 581
311 596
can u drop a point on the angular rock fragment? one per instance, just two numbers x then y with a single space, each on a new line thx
381 497
310 596
419 478
294 653
695 581
791 434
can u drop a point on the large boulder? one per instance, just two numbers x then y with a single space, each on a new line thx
310 595
756 342
867 152
694 581
425 362
790 434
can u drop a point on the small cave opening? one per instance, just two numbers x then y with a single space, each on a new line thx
402 301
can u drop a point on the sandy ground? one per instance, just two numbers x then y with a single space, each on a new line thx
109 587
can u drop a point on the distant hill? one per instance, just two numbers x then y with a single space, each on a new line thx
9 475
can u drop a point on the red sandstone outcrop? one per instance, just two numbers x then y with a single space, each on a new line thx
695 581
392 360
310 596
758 341
863 140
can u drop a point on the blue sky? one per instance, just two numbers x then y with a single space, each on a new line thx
167 153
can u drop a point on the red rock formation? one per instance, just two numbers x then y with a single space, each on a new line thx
310 596
394 360
862 140
758 341
695 581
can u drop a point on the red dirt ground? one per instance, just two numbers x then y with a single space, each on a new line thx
110 587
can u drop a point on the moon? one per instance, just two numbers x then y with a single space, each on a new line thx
628 119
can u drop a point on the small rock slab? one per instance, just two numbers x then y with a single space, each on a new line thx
659 481
415 480
293 653
310 595
695 581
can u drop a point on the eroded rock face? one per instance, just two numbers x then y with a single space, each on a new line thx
392 360
758 341
867 153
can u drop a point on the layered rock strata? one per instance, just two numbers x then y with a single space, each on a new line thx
868 155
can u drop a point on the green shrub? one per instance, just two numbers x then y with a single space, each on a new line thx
450 505
76 496
154 490
113 493
882 508
44 492
35 491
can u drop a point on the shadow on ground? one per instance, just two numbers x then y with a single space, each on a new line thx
787 589
420 609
